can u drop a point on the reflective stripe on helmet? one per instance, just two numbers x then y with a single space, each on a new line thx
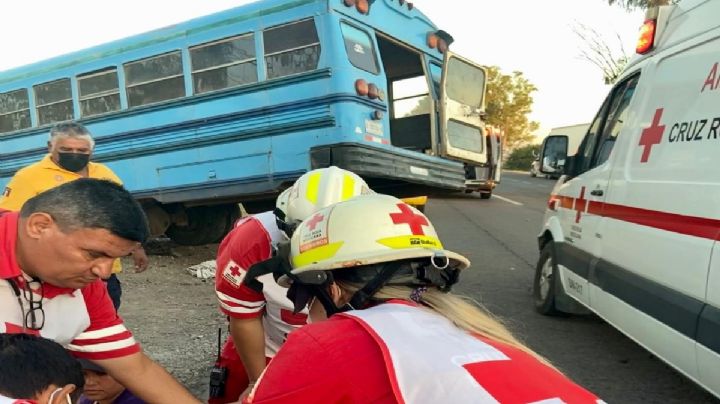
316 254
414 241
313 187
348 188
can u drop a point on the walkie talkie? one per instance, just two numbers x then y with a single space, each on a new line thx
218 374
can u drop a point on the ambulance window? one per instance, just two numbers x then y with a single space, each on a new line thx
616 119
587 148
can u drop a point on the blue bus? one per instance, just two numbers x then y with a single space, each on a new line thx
233 107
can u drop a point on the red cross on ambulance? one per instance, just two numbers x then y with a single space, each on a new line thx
651 135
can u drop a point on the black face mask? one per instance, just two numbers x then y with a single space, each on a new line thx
73 161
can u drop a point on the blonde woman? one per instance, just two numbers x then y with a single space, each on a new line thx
374 268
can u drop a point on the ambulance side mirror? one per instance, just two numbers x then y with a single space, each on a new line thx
553 155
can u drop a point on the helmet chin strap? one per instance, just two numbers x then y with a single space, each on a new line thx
361 297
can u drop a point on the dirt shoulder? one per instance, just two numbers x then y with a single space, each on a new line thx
174 315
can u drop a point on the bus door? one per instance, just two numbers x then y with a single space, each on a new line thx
462 101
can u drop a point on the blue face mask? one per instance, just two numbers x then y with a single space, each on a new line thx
74 162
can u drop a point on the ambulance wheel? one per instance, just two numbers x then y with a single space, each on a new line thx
485 195
545 281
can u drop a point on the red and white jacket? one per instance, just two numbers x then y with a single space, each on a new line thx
82 320
253 240
399 353
7 400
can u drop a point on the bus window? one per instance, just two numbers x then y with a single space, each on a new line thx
410 97
14 111
292 48
99 92
359 48
53 101
154 79
223 64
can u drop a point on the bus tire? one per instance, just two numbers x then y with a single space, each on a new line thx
205 225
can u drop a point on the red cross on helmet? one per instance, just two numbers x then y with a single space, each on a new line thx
367 229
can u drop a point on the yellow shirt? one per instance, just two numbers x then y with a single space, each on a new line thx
43 175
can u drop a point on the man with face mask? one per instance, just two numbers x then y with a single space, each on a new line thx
70 148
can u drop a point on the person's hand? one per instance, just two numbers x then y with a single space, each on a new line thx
141 259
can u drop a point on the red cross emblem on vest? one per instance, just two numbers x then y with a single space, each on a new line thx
407 216
235 270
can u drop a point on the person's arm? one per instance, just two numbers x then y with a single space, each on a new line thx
146 379
248 335
18 190
140 259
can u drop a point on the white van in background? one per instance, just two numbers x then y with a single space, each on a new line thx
632 228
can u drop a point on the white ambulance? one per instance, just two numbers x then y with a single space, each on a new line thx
632 230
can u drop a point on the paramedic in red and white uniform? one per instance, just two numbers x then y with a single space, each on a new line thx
260 314
375 267
53 254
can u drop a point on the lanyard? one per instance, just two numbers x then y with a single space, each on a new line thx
18 295
16 289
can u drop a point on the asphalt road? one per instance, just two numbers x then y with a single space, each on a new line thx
499 237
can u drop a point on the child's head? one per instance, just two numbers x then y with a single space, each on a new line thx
39 369
98 384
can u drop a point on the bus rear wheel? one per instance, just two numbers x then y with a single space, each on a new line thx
205 225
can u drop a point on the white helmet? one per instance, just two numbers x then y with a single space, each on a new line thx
281 203
320 188
366 230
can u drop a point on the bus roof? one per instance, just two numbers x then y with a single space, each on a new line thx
247 12
230 16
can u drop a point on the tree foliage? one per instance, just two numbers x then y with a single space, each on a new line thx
522 157
508 103
631 5
597 51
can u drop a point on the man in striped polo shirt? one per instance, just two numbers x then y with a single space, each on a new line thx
53 255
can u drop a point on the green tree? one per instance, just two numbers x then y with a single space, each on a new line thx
598 52
522 157
508 103
631 5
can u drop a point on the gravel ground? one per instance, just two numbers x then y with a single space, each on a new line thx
174 315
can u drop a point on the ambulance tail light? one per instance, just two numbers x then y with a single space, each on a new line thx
647 37
552 203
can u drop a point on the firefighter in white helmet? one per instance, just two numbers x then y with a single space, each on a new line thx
377 268
260 314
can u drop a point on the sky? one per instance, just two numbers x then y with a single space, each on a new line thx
531 36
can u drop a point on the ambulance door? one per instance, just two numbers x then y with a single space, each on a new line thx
462 101
581 198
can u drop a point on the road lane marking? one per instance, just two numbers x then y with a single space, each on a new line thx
507 200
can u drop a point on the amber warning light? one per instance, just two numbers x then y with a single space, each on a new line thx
647 37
